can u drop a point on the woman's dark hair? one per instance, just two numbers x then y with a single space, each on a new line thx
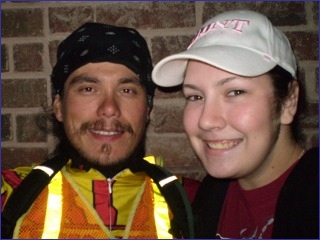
282 81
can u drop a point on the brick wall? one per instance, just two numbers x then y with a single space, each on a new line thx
31 32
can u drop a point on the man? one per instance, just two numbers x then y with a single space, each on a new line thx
101 187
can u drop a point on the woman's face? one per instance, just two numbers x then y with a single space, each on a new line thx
231 121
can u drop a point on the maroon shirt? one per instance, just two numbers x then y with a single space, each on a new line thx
250 213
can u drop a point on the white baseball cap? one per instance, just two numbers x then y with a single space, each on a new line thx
242 42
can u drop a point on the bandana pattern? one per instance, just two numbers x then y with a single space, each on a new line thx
97 42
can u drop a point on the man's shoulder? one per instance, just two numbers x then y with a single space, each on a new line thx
15 176
11 178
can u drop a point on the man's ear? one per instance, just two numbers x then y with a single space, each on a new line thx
149 109
289 107
57 108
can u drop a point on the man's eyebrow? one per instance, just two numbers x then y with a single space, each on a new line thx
134 80
89 79
82 79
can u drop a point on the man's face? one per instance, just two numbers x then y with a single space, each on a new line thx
104 112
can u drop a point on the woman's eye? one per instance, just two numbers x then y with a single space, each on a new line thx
235 92
194 98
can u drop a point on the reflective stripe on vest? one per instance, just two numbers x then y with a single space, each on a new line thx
54 208
161 210
161 214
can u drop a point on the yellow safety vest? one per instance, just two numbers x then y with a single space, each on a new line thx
63 211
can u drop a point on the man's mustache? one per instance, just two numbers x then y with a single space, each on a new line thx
101 124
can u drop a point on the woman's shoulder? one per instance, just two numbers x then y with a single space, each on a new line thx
306 170
310 159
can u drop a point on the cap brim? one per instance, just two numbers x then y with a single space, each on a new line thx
170 71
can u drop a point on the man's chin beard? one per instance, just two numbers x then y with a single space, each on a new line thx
104 160
109 167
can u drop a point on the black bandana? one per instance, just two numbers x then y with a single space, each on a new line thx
97 42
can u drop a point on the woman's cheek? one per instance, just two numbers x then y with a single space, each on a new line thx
190 118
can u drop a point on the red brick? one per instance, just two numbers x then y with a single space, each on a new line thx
304 45
144 15
27 129
4 58
166 119
128 14
310 81
22 22
316 72
24 93
164 46
310 119
279 13
6 128
28 57
301 76
67 19
182 16
53 47
315 9
16 157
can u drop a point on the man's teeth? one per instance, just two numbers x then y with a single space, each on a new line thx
222 144
106 133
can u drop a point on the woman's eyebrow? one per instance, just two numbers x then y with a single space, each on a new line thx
191 86
220 82
223 81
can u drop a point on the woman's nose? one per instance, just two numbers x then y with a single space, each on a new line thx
212 116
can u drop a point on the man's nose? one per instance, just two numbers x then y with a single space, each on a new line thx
108 107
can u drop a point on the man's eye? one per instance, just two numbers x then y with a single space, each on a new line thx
236 93
87 89
129 91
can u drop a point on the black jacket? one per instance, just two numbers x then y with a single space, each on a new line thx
297 211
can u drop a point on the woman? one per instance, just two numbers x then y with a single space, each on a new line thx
242 102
